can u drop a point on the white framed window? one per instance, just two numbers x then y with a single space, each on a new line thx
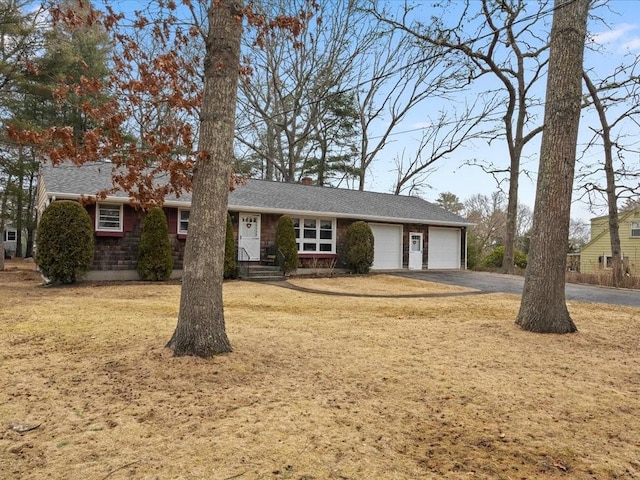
108 217
606 261
11 235
183 221
635 229
315 235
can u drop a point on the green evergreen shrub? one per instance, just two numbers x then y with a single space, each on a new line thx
494 258
155 261
65 242
230 265
520 259
359 248
286 243
474 252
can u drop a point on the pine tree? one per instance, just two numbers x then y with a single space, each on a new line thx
286 243
230 254
65 242
360 247
70 55
155 261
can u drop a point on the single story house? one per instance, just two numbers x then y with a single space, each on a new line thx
595 256
409 232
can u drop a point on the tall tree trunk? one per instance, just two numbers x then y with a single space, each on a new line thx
508 260
19 202
543 308
271 155
31 221
612 199
5 201
201 327
614 226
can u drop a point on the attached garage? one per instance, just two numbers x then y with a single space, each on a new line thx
387 247
444 248
403 226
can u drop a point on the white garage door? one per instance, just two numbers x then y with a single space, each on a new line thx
444 248
387 247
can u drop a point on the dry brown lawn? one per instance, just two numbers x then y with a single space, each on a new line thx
319 386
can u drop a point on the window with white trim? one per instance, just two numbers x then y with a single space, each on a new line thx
11 235
315 235
183 221
606 261
108 217
635 229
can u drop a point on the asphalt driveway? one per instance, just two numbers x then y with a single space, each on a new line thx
499 283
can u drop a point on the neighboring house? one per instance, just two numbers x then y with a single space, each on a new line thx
595 256
409 232
10 240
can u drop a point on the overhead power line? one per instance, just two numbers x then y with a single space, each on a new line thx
363 83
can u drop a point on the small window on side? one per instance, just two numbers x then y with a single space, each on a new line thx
183 221
109 218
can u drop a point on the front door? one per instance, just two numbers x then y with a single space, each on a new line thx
249 237
415 251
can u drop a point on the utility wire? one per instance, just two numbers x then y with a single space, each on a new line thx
403 68
399 70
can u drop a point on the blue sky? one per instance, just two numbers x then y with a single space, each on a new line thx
617 35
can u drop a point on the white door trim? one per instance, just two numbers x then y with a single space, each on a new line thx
416 250
249 237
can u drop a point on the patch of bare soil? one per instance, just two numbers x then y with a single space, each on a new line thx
318 387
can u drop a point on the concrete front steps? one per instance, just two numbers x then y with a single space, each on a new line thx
264 273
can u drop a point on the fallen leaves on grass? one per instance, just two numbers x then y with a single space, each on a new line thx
318 386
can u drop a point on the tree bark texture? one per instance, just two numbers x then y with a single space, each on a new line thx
508 260
201 326
543 308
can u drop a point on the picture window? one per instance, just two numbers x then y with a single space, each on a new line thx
315 235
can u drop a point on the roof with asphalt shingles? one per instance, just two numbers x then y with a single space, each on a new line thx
67 179
266 196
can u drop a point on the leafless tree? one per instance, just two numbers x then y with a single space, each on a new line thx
578 235
342 95
441 137
290 106
398 76
504 40
488 214
615 100
525 222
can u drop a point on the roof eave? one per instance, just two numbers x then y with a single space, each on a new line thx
177 204
112 199
370 218
76 196
280 211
